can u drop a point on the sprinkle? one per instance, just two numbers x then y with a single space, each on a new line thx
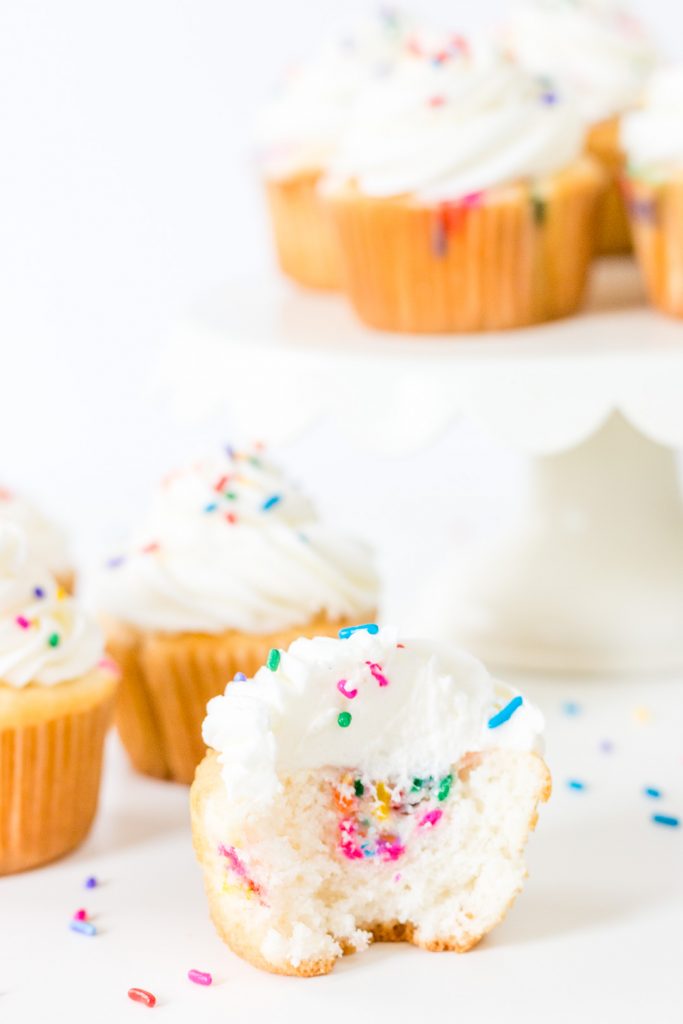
81 915
397 877
473 199
505 713
230 517
417 785
22 621
606 746
575 784
200 977
211 507
436 101
229 451
344 719
82 927
230 495
239 677
221 484
653 792
273 659
358 787
91 882
38 592
571 708
53 640
109 665
445 787
376 672
61 593
150 548
341 686
270 502
369 627
642 715
431 818
538 209
112 563
140 995
550 98
666 819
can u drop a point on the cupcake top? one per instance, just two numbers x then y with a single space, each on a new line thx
453 120
653 136
230 543
299 129
594 50
384 708
46 540
45 637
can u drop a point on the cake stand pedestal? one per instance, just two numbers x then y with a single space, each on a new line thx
591 580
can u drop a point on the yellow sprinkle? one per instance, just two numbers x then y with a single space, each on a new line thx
642 715
384 799
61 593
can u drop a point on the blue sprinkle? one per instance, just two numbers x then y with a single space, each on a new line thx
369 627
38 592
239 677
549 97
274 499
211 507
84 927
666 819
575 784
571 708
505 713
653 792
91 882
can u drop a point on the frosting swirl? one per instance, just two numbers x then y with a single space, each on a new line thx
230 543
46 541
45 637
299 129
595 51
653 136
394 710
452 121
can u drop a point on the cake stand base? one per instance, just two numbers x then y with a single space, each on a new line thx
590 580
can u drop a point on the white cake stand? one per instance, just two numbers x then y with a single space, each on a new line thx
591 579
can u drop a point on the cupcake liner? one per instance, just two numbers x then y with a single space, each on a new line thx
656 212
304 238
51 743
612 230
168 679
508 257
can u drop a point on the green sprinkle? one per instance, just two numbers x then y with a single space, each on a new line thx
445 787
538 209
358 787
53 639
344 719
230 494
417 785
273 660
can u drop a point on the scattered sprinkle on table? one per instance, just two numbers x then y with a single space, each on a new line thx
666 819
642 715
83 927
653 792
575 784
369 627
140 995
505 713
90 882
571 708
200 977
271 502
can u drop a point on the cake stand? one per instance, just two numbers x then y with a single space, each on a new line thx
590 578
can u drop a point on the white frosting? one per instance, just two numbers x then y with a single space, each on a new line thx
46 540
45 637
299 129
455 121
652 137
230 543
594 50
435 707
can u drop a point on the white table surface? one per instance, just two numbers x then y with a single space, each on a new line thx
595 937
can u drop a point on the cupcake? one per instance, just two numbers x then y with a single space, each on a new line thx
599 55
45 539
56 701
461 199
232 563
653 140
364 788
297 135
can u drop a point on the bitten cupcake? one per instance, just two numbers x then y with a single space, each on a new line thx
45 539
597 54
231 563
56 702
461 199
653 140
298 133
364 788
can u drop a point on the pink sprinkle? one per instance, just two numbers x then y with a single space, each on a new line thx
341 686
351 851
390 851
23 622
473 199
376 672
150 548
109 665
200 977
397 877
431 818
436 101
81 915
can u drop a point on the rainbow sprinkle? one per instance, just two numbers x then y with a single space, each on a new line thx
653 792
344 719
666 819
82 927
53 640
200 977
273 661
369 627
239 677
271 502
576 784
342 687
505 713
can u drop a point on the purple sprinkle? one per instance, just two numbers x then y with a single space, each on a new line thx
91 882
239 677
230 451
606 746
84 927
549 97
114 563
38 592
